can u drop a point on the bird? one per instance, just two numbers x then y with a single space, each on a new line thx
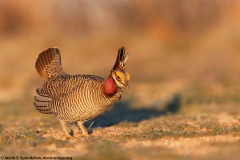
77 98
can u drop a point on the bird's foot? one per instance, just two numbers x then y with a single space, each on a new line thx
82 128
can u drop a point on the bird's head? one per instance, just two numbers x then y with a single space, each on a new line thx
119 77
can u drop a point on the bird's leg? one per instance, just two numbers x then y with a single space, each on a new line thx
65 130
83 129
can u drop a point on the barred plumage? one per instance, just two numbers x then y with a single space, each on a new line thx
77 97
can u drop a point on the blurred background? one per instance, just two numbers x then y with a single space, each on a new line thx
184 95
182 47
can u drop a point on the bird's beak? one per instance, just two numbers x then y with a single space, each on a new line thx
127 86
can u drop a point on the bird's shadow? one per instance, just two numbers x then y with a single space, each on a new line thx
122 112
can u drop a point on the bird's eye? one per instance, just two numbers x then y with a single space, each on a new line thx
120 76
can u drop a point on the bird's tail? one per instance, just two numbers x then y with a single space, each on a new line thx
48 64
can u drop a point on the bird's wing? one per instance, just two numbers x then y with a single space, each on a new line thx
66 85
42 102
62 86
74 93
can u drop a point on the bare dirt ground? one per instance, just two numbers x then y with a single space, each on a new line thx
171 129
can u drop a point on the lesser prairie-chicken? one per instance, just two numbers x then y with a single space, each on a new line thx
77 98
